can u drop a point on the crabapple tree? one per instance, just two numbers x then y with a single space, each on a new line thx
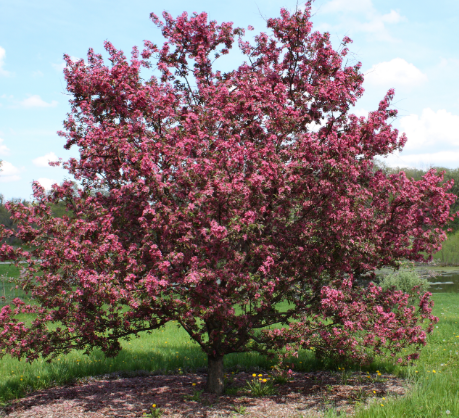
230 202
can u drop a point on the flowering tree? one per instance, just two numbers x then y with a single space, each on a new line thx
209 198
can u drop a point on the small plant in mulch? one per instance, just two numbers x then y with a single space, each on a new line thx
154 412
240 409
345 375
359 396
260 387
196 396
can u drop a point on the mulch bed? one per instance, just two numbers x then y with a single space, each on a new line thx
308 394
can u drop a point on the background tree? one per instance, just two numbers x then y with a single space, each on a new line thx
223 199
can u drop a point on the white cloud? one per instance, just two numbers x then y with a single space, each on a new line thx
46 183
9 173
371 20
432 130
339 6
392 17
45 159
4 150
433 140
423 160
2 58
396 72
59 67
36 101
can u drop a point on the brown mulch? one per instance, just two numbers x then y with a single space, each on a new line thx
308 394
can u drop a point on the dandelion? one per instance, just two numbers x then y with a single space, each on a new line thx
260 375
194 384
264 380
447 412
153 406
382 404
433 371
374 391
254 375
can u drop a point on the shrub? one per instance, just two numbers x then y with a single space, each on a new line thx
406 281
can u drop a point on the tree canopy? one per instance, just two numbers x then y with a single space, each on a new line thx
227 195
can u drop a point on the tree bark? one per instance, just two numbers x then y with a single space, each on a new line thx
215 383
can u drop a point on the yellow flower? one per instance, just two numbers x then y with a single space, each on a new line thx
194 384
260 375
433 371
384 398
374 391
153 406
382 404
254 375
264 380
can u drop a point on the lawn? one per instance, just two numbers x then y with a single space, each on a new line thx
434 378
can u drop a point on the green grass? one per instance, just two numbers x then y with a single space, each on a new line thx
170 350
8 290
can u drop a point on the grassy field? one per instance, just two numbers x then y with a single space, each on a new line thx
434 378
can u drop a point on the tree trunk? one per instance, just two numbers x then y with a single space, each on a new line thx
215 382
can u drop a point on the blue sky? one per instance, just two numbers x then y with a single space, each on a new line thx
409 45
